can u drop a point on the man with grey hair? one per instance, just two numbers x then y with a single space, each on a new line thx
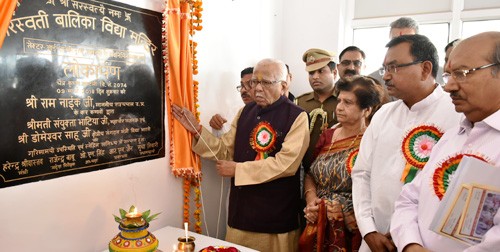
472 79
400 26
403 26
261 153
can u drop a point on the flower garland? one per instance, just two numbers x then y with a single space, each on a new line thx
195 9
416 148
188 183
187 190
195 25
443 174
197 212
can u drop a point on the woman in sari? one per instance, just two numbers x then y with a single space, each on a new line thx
328 178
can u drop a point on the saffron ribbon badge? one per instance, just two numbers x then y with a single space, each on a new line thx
351 159
416 148
262 139
442 175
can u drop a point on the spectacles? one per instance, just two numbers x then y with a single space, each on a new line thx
460 75
264 83
244 84
356 63
393 68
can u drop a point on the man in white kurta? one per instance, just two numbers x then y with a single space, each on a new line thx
380 163
476 93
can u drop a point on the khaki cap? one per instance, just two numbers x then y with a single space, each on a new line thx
317 58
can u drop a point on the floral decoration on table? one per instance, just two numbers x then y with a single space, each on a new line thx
219 249
442 175
416 148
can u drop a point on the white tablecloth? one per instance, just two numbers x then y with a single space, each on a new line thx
167 238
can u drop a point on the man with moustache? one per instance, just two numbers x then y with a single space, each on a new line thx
261 153
320 104
472 77
217 121
384 161
352 61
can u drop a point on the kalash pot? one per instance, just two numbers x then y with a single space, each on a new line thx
133 236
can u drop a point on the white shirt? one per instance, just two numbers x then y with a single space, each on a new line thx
416 206
376 176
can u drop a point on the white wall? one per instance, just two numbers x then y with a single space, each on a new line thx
310 24
76 211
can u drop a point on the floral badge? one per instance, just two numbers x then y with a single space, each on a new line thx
416 148
262 139
351 159
443 175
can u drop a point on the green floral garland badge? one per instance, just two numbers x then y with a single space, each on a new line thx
444 173
351 159
416 148
263 139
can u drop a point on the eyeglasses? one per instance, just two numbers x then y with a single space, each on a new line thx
264 83
393 68
346 63
243 84
460 75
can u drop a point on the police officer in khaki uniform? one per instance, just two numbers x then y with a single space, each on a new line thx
319 104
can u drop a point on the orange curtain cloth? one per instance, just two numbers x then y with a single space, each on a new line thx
6 9
180 87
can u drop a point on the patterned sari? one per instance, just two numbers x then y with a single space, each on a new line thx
331 173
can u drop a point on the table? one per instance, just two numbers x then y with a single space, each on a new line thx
168 235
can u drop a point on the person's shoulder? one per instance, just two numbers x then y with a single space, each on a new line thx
390 106
304 98
386 111
293 106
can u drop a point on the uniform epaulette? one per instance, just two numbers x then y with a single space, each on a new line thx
296 101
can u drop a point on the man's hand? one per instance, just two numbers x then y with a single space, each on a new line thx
186 118
379 242
226 168
217 122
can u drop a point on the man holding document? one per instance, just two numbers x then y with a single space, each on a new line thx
472 77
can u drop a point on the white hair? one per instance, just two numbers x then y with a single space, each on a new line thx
278 68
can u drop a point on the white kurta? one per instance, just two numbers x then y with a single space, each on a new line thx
417 205
376 175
